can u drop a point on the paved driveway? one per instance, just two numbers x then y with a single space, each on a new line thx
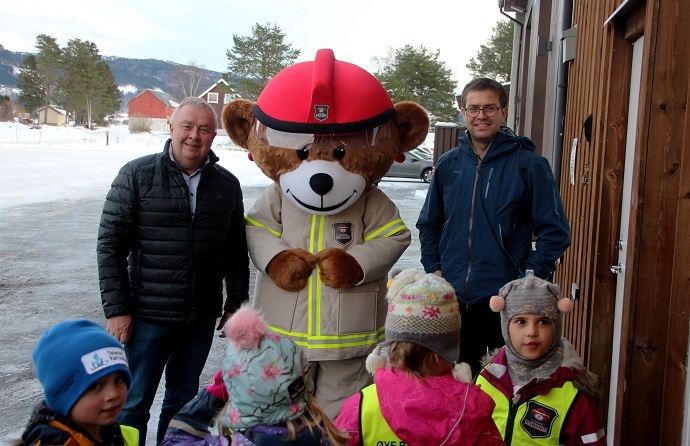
48 274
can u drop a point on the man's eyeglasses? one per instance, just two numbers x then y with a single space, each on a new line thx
489 112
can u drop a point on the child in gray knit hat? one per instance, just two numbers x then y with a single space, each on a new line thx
537 380
420 396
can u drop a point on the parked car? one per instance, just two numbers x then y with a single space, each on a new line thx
425 152
418 164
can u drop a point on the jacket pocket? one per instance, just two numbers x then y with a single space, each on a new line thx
277 305
358 309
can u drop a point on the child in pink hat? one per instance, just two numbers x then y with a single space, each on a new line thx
420 395
263 395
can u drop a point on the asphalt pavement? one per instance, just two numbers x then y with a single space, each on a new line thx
48 273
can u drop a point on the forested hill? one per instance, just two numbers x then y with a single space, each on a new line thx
150 73
9 66
138 73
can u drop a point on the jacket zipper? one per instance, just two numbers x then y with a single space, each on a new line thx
510 422
469 236
190 274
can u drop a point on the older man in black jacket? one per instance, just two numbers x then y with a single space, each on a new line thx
171 234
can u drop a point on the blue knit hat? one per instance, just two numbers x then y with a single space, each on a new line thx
71 356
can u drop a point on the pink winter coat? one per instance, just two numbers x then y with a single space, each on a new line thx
426 412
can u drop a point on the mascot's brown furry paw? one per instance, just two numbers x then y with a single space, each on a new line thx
339 269
291 268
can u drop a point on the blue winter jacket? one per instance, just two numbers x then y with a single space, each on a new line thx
479 217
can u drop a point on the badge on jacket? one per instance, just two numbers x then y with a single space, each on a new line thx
538 420
342 233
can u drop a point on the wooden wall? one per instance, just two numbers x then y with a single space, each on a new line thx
593 201
656 310
660 285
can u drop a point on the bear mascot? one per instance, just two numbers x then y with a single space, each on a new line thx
323 236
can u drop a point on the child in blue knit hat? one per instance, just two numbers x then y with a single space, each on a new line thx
85 377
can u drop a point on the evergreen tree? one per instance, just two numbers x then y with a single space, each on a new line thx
417 74
48 64
31 90
254 60
88 85
109 101
494 59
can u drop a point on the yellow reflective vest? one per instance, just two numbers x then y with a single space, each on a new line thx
536 421
130 435
374 429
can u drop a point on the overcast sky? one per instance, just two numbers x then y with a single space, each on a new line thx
201 32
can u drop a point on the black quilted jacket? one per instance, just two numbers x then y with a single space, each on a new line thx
156 260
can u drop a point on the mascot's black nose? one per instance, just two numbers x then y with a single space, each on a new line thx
321 183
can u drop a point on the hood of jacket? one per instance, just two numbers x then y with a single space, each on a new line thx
504 141
429 411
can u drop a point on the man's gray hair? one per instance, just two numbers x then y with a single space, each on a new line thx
196 102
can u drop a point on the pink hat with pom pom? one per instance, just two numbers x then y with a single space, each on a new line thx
531 295
267 375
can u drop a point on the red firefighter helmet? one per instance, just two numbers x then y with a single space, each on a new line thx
323 96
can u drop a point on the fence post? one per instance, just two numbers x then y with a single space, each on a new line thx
445 138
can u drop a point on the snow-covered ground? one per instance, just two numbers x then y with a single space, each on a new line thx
32 157
52 187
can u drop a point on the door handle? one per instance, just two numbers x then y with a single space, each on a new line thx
616 269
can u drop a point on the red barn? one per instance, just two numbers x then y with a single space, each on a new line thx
155 105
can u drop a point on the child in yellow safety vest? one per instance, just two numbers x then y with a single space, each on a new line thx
543 394
420 396
85 377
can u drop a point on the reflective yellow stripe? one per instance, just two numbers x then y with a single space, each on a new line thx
311 345
398 225
312 279
292 334
297 334
333 341
252 222
317 321
375 428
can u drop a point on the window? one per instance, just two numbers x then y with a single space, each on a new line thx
228 98
212 98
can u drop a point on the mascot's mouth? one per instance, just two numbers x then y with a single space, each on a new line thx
321 209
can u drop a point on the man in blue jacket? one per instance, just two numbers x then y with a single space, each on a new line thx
488 199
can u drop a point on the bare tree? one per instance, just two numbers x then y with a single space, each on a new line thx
188 78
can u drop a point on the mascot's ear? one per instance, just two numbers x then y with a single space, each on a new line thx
413 124
238 121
